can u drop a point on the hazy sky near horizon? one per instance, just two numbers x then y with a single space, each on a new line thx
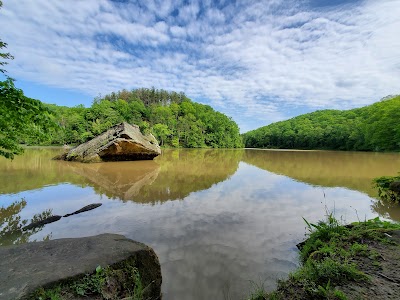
256 61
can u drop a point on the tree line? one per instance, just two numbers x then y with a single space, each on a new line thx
171 117
371 128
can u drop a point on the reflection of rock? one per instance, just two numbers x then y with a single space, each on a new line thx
122 180
121 142
83 209
42 222
173 175
63 259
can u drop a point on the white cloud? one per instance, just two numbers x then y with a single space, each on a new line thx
255 61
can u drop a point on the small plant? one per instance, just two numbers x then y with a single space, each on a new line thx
359 249
328 292
258 291
91 283
138 286
104 283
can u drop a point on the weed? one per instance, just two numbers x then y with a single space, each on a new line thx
359 249
258 291
138 286
327 292
105 283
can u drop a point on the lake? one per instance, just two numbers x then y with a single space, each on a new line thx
220 221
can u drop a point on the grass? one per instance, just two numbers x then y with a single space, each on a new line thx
328 259
104 283
258 291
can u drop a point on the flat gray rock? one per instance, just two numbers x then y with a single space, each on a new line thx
24 268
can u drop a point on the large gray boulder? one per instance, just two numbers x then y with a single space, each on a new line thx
27 267
121 142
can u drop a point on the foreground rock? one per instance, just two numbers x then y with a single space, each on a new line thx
25 268
121 142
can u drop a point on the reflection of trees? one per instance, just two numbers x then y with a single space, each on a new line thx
173 175
11 225
387 209
186 171
353 170
33 170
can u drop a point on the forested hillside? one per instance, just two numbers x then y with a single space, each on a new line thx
173 118
372 128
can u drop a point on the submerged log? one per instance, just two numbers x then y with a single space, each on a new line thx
121 142
83 209
41 222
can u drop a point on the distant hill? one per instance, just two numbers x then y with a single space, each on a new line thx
371 128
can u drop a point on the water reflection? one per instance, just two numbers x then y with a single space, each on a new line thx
238 220
185 171
387 209
173 175
118 180
353 170
13 229
33 170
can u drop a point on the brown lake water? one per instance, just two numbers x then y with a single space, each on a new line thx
219 220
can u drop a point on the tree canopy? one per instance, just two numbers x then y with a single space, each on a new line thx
372 128
21 117
171 117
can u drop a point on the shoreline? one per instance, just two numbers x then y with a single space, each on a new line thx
355 261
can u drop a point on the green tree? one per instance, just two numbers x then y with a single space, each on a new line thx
161 131
20 116
372 128
3 55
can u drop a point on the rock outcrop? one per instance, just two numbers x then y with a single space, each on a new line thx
121 142
28 267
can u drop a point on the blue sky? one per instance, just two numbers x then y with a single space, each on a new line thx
256 61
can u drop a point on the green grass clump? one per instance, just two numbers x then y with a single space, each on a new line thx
328 258
104 283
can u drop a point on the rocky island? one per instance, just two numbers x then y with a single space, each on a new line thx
120 142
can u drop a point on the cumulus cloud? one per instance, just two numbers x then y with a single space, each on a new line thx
258 62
